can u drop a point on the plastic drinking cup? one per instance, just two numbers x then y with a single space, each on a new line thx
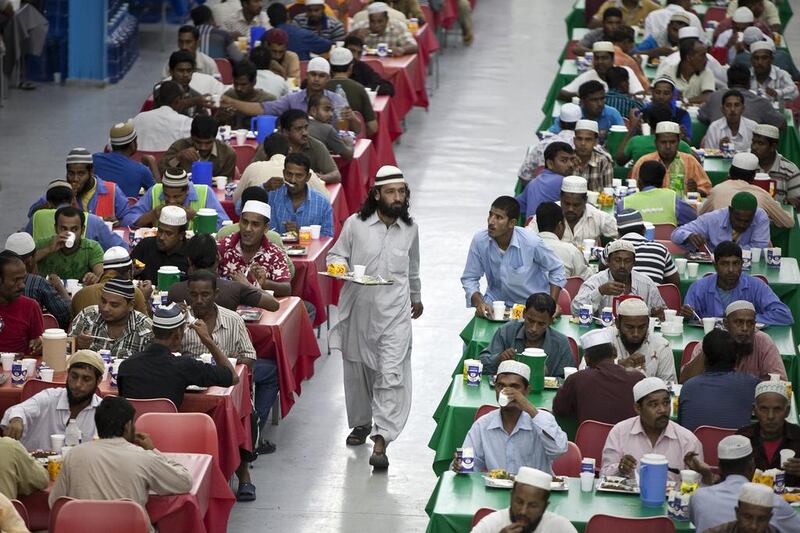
755 255
232 361
691 268
569 370
241 137
587 481
56 442
498 310
359 271
316 229
786 455
680 264
220 181
47 374
592 197
7 359
709 324
670 314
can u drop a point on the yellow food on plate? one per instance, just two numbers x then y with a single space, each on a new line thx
792 497
499 473
337 269
138 264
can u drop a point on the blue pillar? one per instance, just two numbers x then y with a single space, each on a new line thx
87 39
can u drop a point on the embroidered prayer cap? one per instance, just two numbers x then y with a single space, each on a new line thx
20 243
775 387
122 133
752 34
744 201
574 184
633 307
168 316
341 57
315 3
734 447
276 36
689 32
648 386
259 208
319 64
587 125
596 337
665 79
745 161
175 177
116 257
88 357
570 113
533 477
667 126
767 130
739 305
55 184
680 16
769 46
756 493
743 15
172 215
515 367
603 46
79 156
377 7
120 287
619 245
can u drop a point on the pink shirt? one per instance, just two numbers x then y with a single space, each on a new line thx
628 438
764 360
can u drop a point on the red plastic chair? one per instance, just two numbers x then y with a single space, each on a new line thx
303 70
591 439
244 155
137 156
55 509
664 231
565 302
181 432
479 515
569 464
603 523
485 410
154 405
715 13
33 387
225 70
759 276
22 512
576 355
688 350
49 321
709 437
121 516
573 285
429 16
671 295
672 247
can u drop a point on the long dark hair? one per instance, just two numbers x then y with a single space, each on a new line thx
370 205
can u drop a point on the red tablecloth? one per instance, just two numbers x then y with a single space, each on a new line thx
287 336
227 205
358 174
339 205
389 129
204 509
306 282
408 67
428 44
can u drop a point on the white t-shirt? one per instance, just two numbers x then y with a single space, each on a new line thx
268 81
719 72
550 523
694 86
634 85
157 129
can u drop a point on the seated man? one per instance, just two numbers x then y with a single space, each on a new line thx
501 249
650 431
167 248
156 373
732 127
692 74
619 279
22 475
633 13
593 163
534 331
753 508
48 292
527 510
315 20
618 94
535 161
710 295
117 166
559 159
244 89
602 60
158 128
676 162
769 80
122 463
320 111
175 190
381 29
362 72
654 203
285 63
189 41
635 144
357 99
611 384
583 220
518 434
785 173
755 13
756 107
240 21
743 222
202 145
266 80
114 324
82 260
214 41
756 352
740 178
550 220
592 96
23 324
49 411
664 40
196 87
652 258
720 396
611 20
301 41
117 264
772 433
294 204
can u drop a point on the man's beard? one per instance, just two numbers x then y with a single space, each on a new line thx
86 186
393 210
73 400
631 346
743 349
529 528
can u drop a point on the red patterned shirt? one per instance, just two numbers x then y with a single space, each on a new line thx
269 256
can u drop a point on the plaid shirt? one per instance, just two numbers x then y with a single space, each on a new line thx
269 256
787 177
137 334
230 335
332 29
396 34
622 102
39 289
598 171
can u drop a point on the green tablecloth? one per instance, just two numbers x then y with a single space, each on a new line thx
576 18
456 498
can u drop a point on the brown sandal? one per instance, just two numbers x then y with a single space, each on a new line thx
358 436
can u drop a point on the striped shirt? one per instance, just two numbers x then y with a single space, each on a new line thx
652 258
622 102
787 177
331 29
137 334
230 335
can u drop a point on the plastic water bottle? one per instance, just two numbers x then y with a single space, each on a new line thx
73 434
677 173
341 124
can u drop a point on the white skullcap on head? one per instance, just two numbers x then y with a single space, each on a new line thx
775 387
745 161
574 184
633 307
620 245
752 34
689 32
176 178
319 64
315 3
739 305
680 16
588 125
341 57
767 130
570 113
743 15
20 243
756 493
172 215
603 46
596 337
769 46
647 386
734 447
534 478
377 7
117 257
388 174
259 208
515 367
667 126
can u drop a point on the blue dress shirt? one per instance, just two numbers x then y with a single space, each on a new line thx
528 266
716 228
703 296
304 42
129 175
314 210
145 205
546 187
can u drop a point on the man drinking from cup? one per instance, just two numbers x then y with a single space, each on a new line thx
20 316
68 253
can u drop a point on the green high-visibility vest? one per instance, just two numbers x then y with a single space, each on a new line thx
198 204
656 205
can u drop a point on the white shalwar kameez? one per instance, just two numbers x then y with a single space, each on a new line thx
374 328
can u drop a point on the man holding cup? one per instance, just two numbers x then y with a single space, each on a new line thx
518 434
68 253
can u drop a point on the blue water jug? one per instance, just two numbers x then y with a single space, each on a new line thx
202 172
255 35
263 125
653 479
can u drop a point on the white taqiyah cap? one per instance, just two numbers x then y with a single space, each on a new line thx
633 307
116 257
319 64
259 208
648 386
570 113
515 367
341 57
743 15
752 34
596 337
620 245
767 130
769 46
534 478
756 493
20 243
574 184
172 215
745 161
775 387
603 46
388 174
588 125
667 126
680 16
315 3
734 447
377 7
739 305
665 79
689 32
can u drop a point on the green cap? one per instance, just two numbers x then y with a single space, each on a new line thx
744 201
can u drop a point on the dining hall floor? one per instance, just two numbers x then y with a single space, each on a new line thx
457 157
